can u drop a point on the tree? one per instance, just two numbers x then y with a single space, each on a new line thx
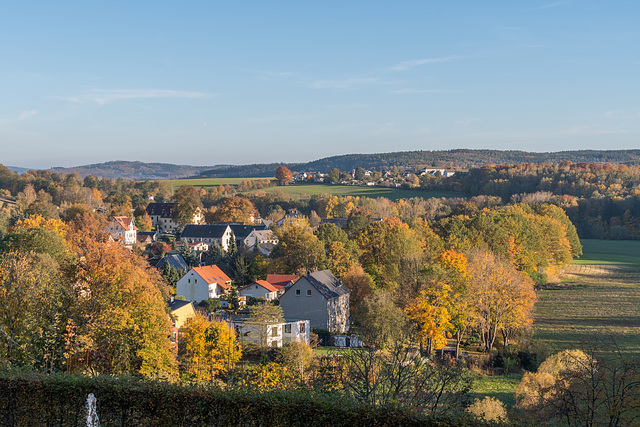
207 349
359 173
261 316
598 385
187 202
503 298
359 284
189 255
381 322
297 357
334 175
118 323
298 249
284 175
234 209
430 314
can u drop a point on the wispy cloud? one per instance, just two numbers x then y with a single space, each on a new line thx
24 115
105 96
550 5
409 91
343 84
406 65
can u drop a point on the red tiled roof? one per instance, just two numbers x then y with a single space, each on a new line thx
124 222
213 274
280 281
268 286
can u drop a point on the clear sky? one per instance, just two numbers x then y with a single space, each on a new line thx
211 82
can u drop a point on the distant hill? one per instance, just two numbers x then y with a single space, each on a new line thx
17 169
404 159
136 170
414 159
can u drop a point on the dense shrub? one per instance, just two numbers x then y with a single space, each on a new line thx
35 399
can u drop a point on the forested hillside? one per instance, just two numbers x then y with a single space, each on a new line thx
415 159
134 170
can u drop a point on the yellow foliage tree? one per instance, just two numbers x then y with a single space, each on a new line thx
268 377
502 297
207 349
430 314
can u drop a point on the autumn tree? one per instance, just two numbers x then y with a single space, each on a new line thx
430 315
207 349
298 249
283 175
359 284
503 298
297 356
234 209
118 323
187 202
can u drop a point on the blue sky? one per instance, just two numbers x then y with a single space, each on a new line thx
206 82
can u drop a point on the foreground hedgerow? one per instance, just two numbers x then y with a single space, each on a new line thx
34 399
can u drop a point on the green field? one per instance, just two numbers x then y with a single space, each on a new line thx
599 296
309 189
610 252
205 182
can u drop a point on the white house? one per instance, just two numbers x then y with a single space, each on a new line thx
261 236
161 215
209 233
122 229
274 334
202 283
259 289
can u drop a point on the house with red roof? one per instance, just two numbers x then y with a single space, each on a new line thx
259 289
122 229
202 283
281 281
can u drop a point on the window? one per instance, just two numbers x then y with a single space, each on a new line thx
303 328
274 331
308 292
297 292
287 328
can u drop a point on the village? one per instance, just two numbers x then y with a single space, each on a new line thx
317 300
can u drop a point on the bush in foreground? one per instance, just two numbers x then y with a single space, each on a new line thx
35 399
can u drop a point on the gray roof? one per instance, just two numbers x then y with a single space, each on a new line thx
241 231
176 261
165 210
326 283
176 304
209 231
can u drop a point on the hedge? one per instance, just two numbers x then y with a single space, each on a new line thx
30 399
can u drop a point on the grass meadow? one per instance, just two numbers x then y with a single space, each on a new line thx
598 296
302 190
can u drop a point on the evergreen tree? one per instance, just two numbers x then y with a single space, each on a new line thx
215 254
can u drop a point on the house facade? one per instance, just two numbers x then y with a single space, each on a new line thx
265 238
259 289
319 297
202 283
161 215
122 229
273 334
208 233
